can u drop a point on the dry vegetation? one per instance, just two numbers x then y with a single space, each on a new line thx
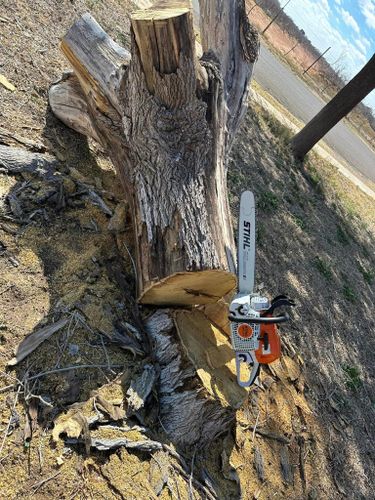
305 432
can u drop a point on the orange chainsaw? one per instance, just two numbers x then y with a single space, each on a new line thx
255 337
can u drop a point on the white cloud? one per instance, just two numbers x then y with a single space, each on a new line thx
338 2
313 17
362 43
368 10
349 20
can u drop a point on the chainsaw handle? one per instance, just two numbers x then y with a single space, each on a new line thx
263 320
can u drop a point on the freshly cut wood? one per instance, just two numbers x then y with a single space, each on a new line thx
192 409
217 313
167 120
211 353
189 288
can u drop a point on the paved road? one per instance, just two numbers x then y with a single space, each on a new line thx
277 79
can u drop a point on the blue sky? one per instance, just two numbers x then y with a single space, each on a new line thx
348 26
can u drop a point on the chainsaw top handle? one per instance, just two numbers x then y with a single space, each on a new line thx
263 320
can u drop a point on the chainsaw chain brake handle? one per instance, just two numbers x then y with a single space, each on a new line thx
262 320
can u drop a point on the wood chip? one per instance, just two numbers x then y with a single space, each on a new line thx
115 413
32 341
74 424
6 83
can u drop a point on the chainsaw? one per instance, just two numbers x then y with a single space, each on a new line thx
255 337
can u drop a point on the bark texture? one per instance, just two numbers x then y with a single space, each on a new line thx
167 120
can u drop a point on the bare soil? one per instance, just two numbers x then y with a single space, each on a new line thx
313 413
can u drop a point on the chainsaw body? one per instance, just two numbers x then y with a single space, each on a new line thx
255 338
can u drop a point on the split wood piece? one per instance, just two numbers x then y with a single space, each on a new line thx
218 315
168 136
32 341
212 355
189 413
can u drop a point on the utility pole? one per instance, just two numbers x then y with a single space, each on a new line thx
316 60
274 19
255 5
290 50
348 97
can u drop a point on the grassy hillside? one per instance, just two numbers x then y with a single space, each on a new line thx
305 432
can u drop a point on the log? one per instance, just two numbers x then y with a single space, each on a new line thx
167 121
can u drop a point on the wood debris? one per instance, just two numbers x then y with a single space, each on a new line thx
159 471
259 464
140 388
6 83
74 424
114 412
32 341
16 161
286 469
113 444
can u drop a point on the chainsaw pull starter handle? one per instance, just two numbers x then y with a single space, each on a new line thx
262 320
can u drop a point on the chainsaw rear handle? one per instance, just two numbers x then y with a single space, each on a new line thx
266 320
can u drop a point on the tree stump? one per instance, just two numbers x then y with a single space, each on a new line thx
167 120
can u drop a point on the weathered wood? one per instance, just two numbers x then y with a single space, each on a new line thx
167 121
227 35
193 410
17 160
32 341
68 103
98 61
166 136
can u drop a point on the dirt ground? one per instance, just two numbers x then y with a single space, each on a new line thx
64 257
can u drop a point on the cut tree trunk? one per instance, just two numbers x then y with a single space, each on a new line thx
343 102
168 120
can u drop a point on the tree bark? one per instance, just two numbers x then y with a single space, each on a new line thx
348 97
167 120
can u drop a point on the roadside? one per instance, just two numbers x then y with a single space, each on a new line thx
269 103
281 44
